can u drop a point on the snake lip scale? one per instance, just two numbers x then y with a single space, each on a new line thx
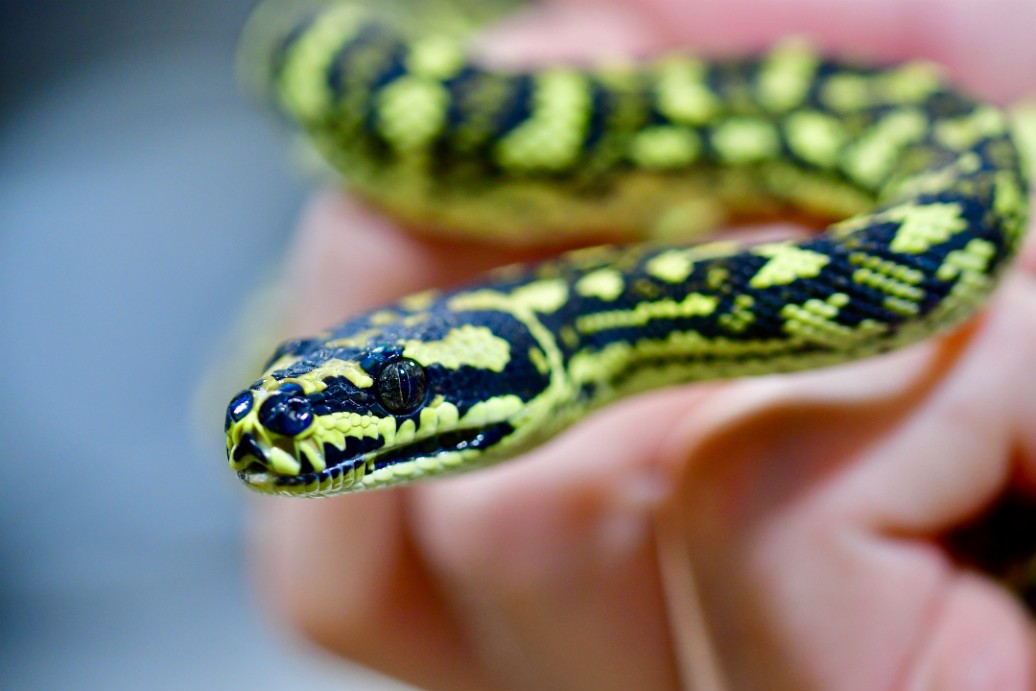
344 469
929 183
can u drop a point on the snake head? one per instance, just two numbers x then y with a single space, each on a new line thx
387 399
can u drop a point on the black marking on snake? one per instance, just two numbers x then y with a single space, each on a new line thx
306 364
340 461
371 36
248 447
296 348
516 107
451 441
341 396
279 54
601 108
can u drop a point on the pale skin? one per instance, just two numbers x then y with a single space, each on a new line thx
776 533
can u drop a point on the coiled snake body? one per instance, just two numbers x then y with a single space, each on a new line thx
928 179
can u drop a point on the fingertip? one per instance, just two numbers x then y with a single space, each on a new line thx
578 502
345 575
303 549
980 641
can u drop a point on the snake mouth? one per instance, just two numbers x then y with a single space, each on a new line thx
350 469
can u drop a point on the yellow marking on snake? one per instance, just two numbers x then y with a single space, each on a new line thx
542 296
551 139
694 305
419 301
963 133
933 182
1023 128
383 317
969 263
911 83
816 137
924 227
787 75
539 360
814 322
787 263
745 140
350 370
465 346
673 266
682 94
339 426
665 147
846 92
873 156
1009 198
604 284
305 91
412 111
330 369
740 316
885 283
435 57
523 307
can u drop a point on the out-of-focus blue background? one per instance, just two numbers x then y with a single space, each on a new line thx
142 198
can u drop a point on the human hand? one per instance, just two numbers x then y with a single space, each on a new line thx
770 533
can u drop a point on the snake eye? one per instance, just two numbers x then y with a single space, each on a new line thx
401 386
238 408
286 412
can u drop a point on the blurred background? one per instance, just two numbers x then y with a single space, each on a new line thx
142 199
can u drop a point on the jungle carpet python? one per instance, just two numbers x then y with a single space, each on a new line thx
929 182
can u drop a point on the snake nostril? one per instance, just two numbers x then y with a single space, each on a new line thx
238 408
286 412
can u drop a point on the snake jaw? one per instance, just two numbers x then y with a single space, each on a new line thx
275 468
283 465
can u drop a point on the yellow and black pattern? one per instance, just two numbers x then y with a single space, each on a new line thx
929 179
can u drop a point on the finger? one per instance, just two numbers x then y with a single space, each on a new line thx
348 257
344 572
539 574
353 574
979 639
345 250
961 444
346 575
799 523
779 580
551 560
1024 419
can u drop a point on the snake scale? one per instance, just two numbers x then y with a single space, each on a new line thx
928 180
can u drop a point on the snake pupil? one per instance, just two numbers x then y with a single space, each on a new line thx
401 386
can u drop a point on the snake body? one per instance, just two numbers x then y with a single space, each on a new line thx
929 182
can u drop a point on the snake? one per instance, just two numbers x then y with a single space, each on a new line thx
922 190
